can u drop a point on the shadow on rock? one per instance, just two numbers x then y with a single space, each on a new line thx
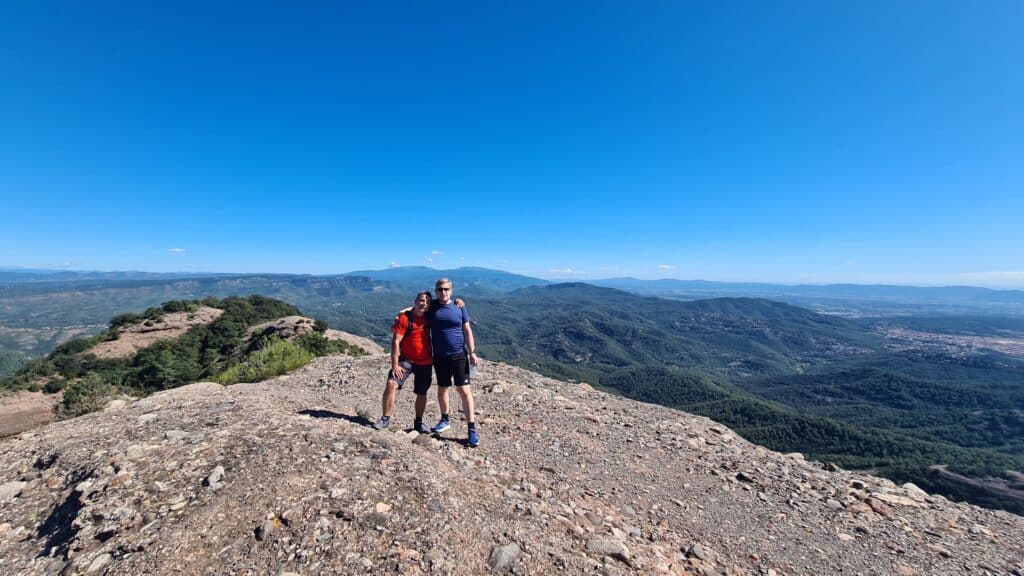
57 528
360 420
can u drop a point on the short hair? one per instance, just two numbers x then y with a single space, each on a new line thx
424 293
442 282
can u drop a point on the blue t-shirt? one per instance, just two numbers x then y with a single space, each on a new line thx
446 336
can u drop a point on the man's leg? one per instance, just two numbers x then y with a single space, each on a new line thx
388 400
421 406
461 378
468 408
442 367
421 385
442 399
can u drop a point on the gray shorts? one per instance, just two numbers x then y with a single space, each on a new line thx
421 382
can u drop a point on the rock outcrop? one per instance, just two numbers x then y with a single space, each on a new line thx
287 477
135 337
292 326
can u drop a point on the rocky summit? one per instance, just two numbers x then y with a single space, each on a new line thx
288 476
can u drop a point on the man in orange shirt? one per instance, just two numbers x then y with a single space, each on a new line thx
410 355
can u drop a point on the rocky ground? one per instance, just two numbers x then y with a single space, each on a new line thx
22 410
287 476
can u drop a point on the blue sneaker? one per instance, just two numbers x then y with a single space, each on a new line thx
383 423
441 426
422 428
473 440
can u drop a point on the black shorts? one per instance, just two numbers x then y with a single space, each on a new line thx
449 369
420 374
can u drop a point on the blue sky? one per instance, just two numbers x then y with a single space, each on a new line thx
768 141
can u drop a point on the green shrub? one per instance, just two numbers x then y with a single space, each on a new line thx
319 345
88 394
53 386
320 325
179 306
275 358
125 319
73 347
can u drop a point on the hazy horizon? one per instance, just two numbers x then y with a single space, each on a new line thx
26 269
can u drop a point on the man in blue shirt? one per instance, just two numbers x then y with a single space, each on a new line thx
451 338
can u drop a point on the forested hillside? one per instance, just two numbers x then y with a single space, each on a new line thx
225 350
780 375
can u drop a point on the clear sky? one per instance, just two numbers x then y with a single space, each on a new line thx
770 141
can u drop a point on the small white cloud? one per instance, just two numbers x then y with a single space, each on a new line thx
175 250
436 253
563 271
665 267
462 258
393 265
428 259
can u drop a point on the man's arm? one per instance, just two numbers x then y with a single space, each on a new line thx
396 345
459 303
467 331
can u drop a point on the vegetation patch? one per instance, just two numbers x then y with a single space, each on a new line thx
276 357
10 363
218 351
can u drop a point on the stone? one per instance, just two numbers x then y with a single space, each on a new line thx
266 530
175 435
216 478
99 563
914 492
11 489
696 551
609 547
502 558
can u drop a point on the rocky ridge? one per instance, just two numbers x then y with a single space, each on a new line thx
287 476
289 327
135 337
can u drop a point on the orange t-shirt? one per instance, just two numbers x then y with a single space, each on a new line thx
415 345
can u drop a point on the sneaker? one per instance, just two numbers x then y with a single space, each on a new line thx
473 440
383 423
423 428
441 426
